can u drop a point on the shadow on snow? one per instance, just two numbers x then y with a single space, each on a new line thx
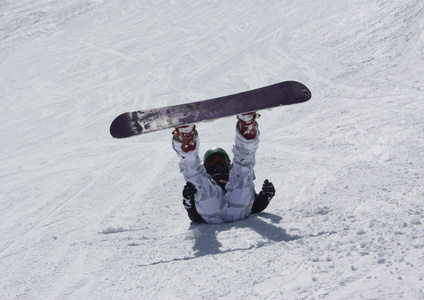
206 242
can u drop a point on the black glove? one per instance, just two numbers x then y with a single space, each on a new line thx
268 190
188 195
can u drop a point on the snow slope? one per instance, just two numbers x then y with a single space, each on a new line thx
84 216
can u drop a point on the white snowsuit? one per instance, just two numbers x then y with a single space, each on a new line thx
214 204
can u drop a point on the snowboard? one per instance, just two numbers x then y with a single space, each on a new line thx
144 121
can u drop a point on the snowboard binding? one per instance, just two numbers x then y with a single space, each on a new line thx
186 134
247 124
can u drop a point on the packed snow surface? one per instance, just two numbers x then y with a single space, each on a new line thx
86 216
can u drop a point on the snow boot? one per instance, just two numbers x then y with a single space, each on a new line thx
247 125
186 134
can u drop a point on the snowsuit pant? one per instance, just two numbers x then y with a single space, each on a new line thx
214 204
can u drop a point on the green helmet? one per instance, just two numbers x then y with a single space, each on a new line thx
216 155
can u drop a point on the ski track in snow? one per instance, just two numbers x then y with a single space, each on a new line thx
84 216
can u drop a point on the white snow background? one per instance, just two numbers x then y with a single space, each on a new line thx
86 216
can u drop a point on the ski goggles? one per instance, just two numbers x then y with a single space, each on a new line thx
215 159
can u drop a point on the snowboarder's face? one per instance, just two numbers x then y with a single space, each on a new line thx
218 166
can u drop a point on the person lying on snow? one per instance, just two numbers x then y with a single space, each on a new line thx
218 191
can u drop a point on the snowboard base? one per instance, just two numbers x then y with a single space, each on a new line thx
145 121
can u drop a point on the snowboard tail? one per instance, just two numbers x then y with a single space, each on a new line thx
145 121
